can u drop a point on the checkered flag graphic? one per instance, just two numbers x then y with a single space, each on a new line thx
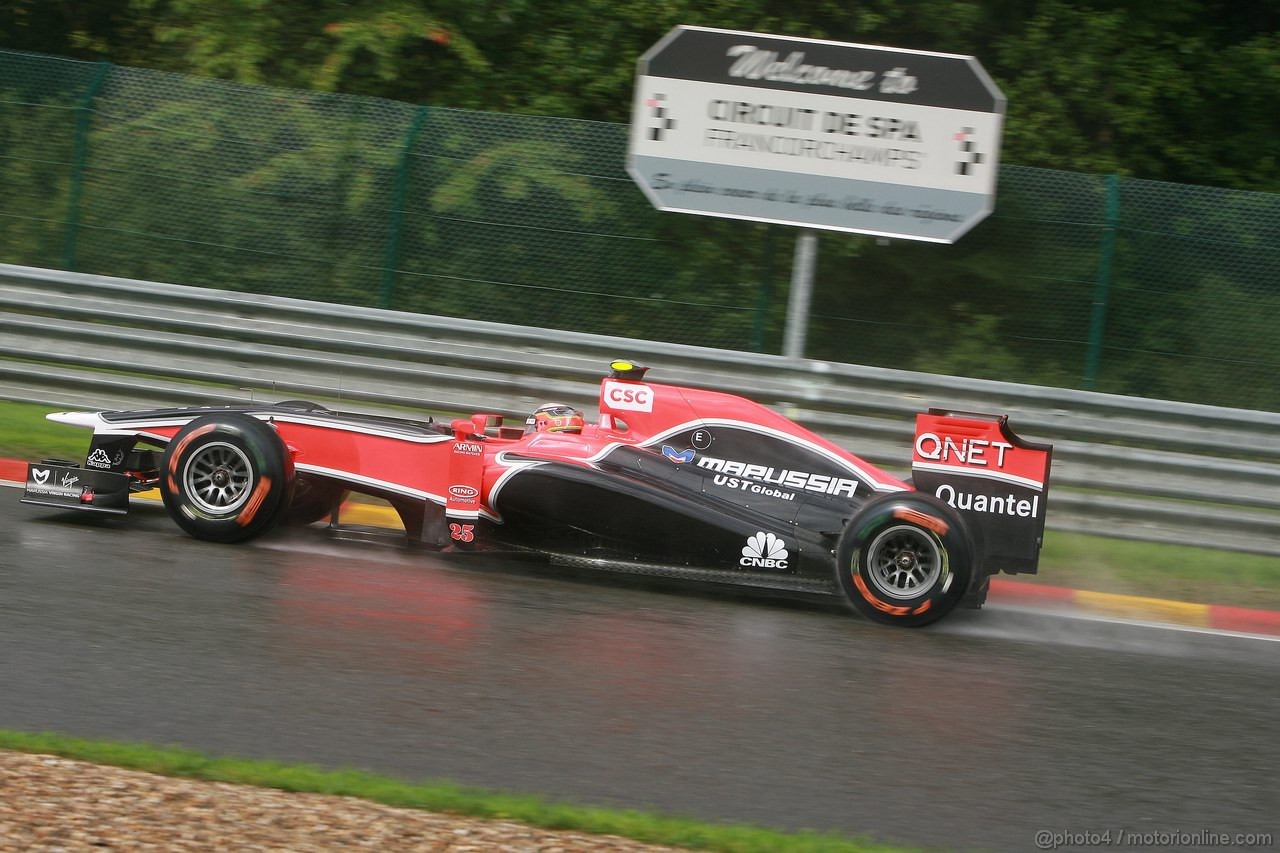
968 157
658 111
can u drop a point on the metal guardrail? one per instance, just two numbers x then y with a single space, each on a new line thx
1123 466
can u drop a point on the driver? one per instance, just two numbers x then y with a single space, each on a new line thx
554 417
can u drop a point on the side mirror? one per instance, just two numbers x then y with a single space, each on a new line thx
464 428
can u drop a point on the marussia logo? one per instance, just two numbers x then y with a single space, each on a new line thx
41 477
99 459
765 551
677 455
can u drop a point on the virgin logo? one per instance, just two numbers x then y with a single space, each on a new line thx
628 396
464 493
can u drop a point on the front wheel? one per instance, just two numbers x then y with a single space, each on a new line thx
226 478
905 560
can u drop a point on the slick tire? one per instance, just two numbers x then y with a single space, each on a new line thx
226 478
906 559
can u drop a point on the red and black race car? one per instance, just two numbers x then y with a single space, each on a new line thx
671 481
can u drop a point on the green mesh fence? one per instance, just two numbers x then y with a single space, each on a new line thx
1077 280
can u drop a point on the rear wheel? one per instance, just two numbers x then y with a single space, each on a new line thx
226 478
905 560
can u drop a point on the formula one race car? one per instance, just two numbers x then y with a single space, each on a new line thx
671 481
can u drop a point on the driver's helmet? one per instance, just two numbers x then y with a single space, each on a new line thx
554 417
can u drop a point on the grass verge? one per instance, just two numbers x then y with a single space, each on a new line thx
26 435
1157 570
437 797
1097 563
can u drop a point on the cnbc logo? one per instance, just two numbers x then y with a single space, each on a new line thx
764 551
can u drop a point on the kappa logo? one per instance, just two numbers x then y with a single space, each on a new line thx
98 459
764 551
40 475
679 456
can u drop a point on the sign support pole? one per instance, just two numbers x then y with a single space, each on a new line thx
801 293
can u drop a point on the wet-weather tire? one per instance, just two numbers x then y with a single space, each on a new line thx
906 559
226 477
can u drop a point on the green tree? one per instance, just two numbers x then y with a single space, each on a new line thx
529 219
359 47
1178 90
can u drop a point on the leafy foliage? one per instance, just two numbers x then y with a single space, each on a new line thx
1178 90
514 217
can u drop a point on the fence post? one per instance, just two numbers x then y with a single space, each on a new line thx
766 291
392 257
80 151
1107 251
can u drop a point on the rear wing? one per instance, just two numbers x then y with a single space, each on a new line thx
996 480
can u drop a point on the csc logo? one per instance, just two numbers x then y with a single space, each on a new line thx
629 397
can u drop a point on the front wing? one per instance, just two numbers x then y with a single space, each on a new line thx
68 486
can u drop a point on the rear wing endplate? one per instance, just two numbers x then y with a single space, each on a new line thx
998 481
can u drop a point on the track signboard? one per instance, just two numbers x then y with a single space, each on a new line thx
822 134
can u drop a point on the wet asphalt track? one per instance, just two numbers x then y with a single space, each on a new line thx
975 734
